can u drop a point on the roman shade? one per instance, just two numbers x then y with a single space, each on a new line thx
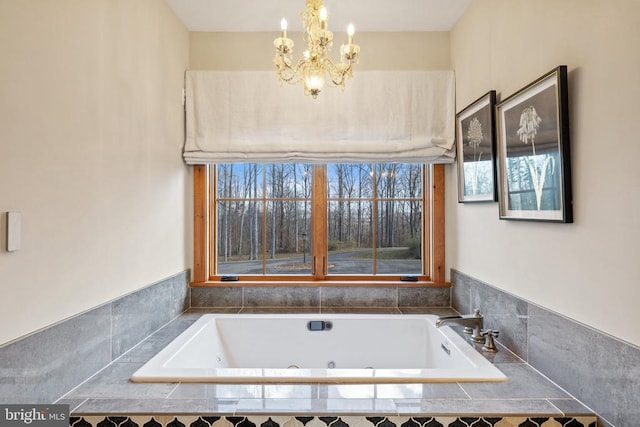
398 116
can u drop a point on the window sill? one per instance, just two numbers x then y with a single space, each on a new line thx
323 283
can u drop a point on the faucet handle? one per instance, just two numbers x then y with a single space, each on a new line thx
468 329
489 344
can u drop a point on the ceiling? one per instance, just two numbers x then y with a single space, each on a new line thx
366 15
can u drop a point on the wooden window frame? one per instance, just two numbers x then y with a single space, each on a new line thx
433 240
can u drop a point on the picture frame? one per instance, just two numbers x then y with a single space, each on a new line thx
476 148
534 158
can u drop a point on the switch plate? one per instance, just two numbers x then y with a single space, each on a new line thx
14 231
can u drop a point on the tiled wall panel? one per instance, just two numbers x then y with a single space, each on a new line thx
43 366
601 371
216 296
314 297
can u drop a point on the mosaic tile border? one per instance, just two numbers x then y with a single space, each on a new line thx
326 421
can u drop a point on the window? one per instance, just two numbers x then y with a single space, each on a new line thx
333 223
263 217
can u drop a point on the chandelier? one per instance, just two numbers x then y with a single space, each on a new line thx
315 65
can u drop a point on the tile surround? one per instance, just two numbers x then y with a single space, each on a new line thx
41 367
599 370
505 312
602 371
216 296
106 394
424 297
320 298
138 316
110 392
280 296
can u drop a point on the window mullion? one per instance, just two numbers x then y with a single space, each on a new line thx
374 213
265 206
319 222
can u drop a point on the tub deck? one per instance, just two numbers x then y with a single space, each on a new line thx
110 394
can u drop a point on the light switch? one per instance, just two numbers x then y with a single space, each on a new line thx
14 231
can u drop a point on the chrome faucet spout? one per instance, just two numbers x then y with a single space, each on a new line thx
444 319
473 323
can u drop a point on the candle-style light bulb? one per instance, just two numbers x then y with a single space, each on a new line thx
350 31
323 13
323 17
283 27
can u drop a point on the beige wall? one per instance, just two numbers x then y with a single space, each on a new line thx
91 131
379 51
587 270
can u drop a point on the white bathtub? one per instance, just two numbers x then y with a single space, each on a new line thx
349 348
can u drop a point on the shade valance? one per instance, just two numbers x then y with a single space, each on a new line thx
246 116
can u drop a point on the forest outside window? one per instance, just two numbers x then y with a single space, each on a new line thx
334 223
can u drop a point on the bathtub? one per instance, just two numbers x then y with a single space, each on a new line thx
294 348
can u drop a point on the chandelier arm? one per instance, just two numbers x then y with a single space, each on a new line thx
286 72
338 72
283 62
293 72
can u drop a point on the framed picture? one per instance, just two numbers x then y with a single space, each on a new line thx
534 167
476 146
